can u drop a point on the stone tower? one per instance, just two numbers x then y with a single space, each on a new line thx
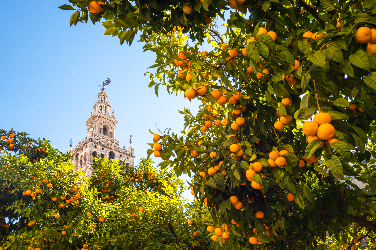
100 140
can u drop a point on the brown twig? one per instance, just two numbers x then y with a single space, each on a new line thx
316 96
362 222
217 34
313 12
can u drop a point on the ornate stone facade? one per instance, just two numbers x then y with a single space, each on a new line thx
100 141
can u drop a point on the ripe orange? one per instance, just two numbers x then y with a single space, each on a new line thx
259 214
208 124
222 100
95 7
187 9
190 93
181 74
250 40
201 90
157 154
262 30
28 192
256 185
249 70
225 122
141 209
250 173
203 174
214 237
322 118
217 123
326 132
317 36
266 72
274 155
363 35
213 154
182 55
234 148
279 125
332 141
310 128
285 119
233 53
54 199
89 214
257 166
372 39
157 146
236 112
273 35
224 45
64 233
353 107
195 234
371 48
102 220
232 100
244 52
3 137
226 235
271 163
156 137
290 197
211 171
203 129
234 200
218 231
301 163
253 240
194 153
57 216
240 121
286 101
235 126
280 161
308 34
210 229
283 152
238 205
296 65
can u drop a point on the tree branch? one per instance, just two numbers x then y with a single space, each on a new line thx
362 222
173 232
217 34
338 191
313 12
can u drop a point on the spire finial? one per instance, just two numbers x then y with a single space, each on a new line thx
104 83
71 143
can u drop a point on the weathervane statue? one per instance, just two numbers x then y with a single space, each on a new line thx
106 82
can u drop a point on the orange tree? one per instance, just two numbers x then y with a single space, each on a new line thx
282 150
49 204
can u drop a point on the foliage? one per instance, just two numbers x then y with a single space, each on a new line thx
49 204
312 62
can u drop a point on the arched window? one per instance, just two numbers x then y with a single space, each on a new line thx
94 154
111 155
106 130
102 155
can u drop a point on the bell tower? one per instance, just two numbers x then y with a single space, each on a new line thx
100 140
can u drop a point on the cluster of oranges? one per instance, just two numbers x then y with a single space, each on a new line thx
366 35
284 119
9 141
320 129
157 146
276 158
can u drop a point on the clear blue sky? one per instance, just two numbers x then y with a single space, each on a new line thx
51 72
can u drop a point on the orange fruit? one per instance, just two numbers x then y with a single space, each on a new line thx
157 146
190 93
54 199
234 148
371 48
182 55
210 229
273 35
157 154
57 216
308 34
195 234
353 107
194 152
250 40
286 101
301 163
249 70
214 237
322 118
290 197
64 233
187 9
250 173
253 240
234 200
256 185
291 80
203 129
372 39
279 125
95 7
332 141
201 90
28 192
213 154
217 123
222 100
141 209
203 174
89 214
317 36
274 155
224 45
156 137
283 152
280 161
240 121
238 205
363 35
272 163
236 112
188 77
101 220
325 132
218 231
257 166
259 214
233 53
310 128
225 235
296 65
262 30
285 119
235 126
208 124
181 74
232 100
225 122
244 52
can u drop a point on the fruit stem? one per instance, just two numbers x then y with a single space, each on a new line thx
316 96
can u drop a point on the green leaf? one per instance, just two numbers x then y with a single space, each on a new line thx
338 115
333 52
219 179
267 39
211 183
253 53
371 80
359 143
307 193
224 206
341 102
299 200
288 57
347 68
304 47
282 110
74 18
334 164
111 31
206 4
360 60
327 5
264 238
343 149
319 59
361 133
66 7
263 161
305 113
244 165
262 48
277 77
287 147
257 178
312 147
306 78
